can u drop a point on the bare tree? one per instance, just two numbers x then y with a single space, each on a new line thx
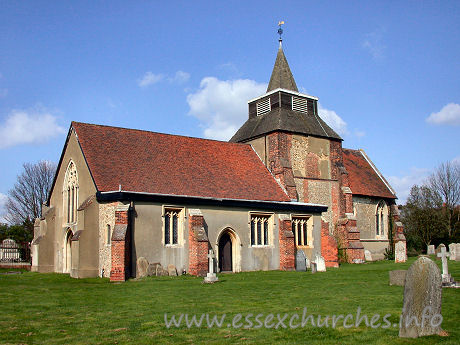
30 191
446 182
421 215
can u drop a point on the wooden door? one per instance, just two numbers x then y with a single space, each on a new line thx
225 253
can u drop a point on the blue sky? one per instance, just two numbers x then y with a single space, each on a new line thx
387 73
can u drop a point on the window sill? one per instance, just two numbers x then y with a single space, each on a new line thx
261 246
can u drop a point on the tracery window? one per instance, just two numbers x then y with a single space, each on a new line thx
381 216
172 225
70 193
260 230
301 227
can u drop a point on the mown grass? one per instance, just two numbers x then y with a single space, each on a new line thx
55 309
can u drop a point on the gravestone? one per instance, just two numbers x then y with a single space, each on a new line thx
211 275
430 249
422 300
368 255
320 264
445 269
172 270
438 250
300 263
307 263
457 251
453 251
400 252
397 277
142 267
152 269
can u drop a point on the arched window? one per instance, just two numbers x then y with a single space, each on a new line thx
70 193
381 220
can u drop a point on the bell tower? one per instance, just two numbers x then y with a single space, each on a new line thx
304 154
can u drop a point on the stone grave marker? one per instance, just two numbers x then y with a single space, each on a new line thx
142 267
397 277
172 270
430 249
438 250
453 251
457 251
422 300
300 263
367 255
211 276
400 252
446 279
320 264
307 263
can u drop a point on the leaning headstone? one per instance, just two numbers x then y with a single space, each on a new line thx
421 313
400 252
320 263
142 267
453 251
397 277
439 249
211 275
446 279
367 255
172 270
300 264
430 249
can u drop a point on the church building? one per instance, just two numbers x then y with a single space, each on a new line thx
283 184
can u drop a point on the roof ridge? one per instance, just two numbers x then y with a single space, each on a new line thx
154 132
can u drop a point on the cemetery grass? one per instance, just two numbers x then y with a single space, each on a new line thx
55 309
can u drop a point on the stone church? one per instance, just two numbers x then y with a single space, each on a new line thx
282 184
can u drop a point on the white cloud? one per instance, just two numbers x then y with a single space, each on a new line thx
149 79
403 184
373 44
449 115
180 77
28 127
222 105
3 199
333 120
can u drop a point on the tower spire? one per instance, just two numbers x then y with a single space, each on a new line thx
281 77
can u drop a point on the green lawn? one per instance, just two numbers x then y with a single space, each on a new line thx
55 309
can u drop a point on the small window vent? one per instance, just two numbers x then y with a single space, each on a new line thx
299 104
263 107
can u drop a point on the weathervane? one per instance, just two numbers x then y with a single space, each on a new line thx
280 30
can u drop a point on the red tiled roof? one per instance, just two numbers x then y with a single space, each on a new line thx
363 179
149 162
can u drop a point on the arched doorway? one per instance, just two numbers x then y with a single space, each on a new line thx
68 252
225 253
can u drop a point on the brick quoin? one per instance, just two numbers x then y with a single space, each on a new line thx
328 246
198 248
120 249
287 245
